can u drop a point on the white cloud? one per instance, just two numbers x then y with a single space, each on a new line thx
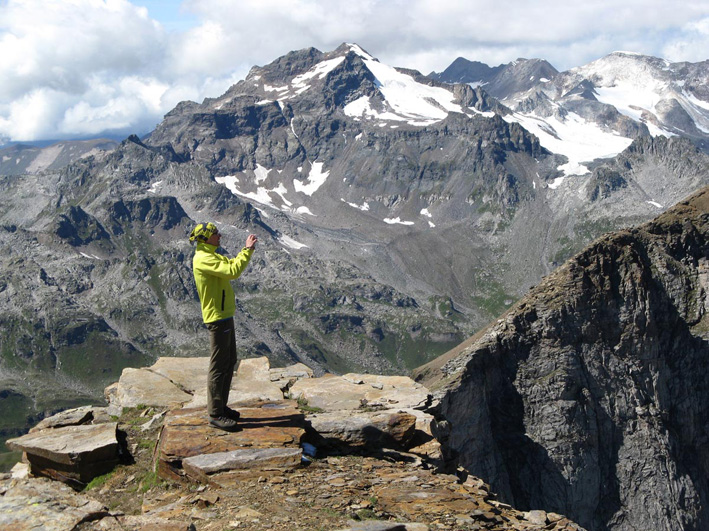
428 35
78 67
691 44
73 68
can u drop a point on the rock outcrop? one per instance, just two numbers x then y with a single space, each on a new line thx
363 459
590 397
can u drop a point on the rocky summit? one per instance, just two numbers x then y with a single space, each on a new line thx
364 458
590 396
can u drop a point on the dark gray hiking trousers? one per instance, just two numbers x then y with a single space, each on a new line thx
222 340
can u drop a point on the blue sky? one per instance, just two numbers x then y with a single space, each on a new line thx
86 68
169 13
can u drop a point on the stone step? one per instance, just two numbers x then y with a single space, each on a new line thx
187 433
221 469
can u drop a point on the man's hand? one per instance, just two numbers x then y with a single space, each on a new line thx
251 241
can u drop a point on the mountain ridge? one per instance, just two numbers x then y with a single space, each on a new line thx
588 395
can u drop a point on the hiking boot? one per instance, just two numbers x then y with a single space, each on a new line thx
230 413
224 423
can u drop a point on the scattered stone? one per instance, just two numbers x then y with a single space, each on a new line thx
72 454
32 504
154 421
20 471
142 523
247 513
373 525
536 517
378 429
554 517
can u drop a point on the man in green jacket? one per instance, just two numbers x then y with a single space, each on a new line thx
212 275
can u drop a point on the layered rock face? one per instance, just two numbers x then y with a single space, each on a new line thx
590 396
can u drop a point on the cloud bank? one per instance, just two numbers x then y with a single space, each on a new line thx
80 68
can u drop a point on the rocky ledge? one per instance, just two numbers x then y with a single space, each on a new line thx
353 452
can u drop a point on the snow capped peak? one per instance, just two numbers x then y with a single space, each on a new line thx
359 51
622 52
403 98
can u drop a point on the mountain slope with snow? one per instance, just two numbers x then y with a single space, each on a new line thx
595 111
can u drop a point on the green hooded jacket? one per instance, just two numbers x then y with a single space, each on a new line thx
212 275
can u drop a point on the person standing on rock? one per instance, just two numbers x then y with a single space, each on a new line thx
212 275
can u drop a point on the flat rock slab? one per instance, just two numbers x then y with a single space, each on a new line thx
252 383
188 374
352 391
374 429
182 382
73 454
74 417
203 467
288 375
32 504
414 501
187 433
145 387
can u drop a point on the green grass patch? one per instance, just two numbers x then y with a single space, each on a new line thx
99 481
147 444
15 410
149 481
492 299
8 460
306 408
366 514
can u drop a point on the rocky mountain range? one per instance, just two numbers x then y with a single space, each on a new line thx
613 100
18 159
397 215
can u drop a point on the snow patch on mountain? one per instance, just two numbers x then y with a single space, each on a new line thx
359 51
397 221
405 98
316 178
363 207
577 139
262 195
261 173
318 71
304 210
290 242
265 196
